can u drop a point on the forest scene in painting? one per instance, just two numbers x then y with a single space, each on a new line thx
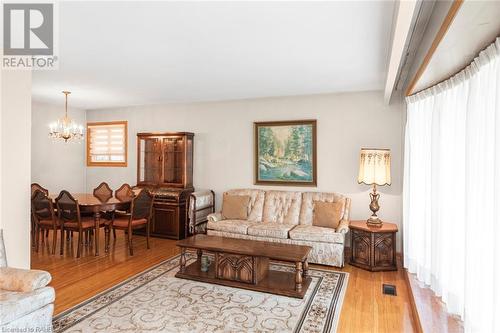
285 153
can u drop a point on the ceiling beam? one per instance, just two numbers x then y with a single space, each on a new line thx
407 11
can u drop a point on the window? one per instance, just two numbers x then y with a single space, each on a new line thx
107 144
451 191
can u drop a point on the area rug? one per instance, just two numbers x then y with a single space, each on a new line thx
156 301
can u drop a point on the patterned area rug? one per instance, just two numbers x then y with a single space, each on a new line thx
156 301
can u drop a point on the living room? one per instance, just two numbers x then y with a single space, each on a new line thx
251 166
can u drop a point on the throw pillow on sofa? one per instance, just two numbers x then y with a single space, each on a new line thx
235 207
327 214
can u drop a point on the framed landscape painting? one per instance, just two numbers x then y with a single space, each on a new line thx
285 152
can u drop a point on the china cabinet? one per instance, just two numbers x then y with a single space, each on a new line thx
165 167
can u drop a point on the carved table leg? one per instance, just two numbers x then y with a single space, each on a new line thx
199 252
106 239
97 227
305 269
183 260
298 276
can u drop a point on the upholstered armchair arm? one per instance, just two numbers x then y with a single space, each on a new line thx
23 280
343 227
215 217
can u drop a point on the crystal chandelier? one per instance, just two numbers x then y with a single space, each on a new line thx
65 128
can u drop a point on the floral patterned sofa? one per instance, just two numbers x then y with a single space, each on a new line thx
26 303
286 217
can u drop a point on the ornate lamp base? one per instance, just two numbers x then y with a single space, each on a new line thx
374 221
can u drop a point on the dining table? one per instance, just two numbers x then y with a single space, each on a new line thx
90 203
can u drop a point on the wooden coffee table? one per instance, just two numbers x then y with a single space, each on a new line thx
244 264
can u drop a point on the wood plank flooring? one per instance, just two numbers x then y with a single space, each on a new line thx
431 309
365 308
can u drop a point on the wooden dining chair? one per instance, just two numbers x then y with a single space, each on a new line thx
103 192
44 218
71 219
124 192
36 187
141 210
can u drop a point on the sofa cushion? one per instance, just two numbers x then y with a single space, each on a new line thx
316 234
256 204
233 226
270 230
14 305
282 207
308 198
235 207
327 214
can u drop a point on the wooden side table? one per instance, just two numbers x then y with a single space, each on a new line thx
373 248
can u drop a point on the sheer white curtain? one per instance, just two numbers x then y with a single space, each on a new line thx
451 195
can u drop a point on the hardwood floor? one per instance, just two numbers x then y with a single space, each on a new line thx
365 308
431 309
75 280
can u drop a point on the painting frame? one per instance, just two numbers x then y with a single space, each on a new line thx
287 182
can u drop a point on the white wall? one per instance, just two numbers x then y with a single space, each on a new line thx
224 141
15 142
56 165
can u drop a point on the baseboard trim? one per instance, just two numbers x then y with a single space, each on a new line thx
414 310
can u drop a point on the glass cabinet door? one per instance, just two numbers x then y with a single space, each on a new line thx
173 160
149 160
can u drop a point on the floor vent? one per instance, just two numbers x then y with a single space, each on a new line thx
389 289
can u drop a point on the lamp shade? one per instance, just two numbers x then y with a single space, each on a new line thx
375 166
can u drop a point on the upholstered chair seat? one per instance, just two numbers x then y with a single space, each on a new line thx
48 222
15 305
87 222
122 222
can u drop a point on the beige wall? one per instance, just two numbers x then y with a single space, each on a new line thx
56 165
15 142
224 141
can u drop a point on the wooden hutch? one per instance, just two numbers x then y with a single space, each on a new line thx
165 167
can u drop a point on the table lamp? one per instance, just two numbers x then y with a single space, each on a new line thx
374 169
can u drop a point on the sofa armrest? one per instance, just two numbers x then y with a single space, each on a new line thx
23 280
215 217
343 227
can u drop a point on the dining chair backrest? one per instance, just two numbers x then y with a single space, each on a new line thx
142 205
136 190
125 192
67 207
37 187
103 192
42 207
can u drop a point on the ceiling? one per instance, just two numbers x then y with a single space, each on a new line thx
475 26
131 53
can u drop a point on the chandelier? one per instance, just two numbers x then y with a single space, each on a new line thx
65 128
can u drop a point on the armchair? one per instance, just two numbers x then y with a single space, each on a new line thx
26 303
201 205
